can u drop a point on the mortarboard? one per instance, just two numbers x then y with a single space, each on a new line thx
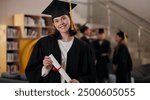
58 8
123 35
100 31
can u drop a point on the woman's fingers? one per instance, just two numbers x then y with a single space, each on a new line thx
47 62
47 58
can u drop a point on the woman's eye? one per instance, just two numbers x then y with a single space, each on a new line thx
56 21
63 18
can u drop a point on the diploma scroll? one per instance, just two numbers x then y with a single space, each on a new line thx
60 69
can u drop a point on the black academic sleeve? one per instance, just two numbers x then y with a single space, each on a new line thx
35 64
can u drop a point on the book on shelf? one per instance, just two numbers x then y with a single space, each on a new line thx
42 22
30 32
44 32
12 68
12 45
12 57
29 21
12 33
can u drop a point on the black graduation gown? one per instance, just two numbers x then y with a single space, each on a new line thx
102 61
122 60
85 40
79 62
89 42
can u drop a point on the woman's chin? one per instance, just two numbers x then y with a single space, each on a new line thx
63 31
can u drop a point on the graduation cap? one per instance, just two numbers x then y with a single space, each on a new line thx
58 8
83 28
100 30
123 35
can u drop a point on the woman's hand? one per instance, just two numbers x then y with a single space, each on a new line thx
47 62
74 81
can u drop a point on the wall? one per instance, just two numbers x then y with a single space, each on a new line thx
139 7
10 7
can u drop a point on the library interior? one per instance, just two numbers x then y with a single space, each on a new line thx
97 24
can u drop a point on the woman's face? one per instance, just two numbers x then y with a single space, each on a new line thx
62 23
118 39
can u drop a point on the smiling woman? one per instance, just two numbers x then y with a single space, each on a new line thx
73 54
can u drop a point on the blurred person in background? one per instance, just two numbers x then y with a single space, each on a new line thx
122 63
102 50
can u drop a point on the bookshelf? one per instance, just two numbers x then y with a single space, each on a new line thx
33 26
46 26
9 44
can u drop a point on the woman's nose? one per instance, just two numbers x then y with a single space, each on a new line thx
61 22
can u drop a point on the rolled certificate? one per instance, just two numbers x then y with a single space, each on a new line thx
60 69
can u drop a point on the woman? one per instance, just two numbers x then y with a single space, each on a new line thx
70 52
122 63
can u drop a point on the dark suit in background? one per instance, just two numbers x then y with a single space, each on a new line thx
102 54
